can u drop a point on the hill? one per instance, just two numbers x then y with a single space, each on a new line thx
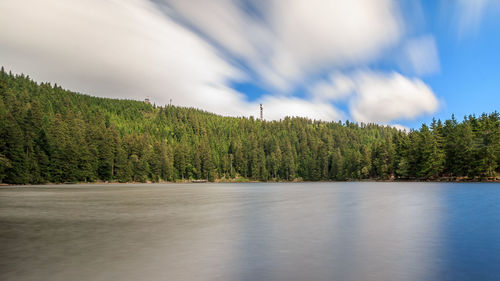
49 134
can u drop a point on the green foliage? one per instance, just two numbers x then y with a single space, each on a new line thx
48 134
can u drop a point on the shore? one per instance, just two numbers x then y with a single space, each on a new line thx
244 180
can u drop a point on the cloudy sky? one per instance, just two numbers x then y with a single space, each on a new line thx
390 62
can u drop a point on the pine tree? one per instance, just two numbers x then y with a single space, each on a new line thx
431 156
48 134
15 167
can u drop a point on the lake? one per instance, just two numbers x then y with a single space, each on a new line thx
251 231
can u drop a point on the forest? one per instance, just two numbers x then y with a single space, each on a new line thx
52 135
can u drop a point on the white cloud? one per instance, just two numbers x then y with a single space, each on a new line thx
383 98
276 108
130 49
337 87
312 34
422 55
400 127
123 49
377 97
224 21
289 39
132 52
373 97
469 14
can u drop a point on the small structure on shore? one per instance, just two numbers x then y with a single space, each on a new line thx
199 181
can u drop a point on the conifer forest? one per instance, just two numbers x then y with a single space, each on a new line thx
52 135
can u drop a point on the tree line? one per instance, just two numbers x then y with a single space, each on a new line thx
49 134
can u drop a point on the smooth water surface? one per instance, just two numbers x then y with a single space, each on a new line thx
286 231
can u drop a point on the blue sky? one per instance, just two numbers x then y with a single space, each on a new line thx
469 81
398 63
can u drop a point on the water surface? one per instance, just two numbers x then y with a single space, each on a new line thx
290 231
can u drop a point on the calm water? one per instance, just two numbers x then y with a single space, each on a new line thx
306 231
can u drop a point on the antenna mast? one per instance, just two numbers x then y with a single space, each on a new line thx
261 112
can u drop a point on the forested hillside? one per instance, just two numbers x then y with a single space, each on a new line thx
48 134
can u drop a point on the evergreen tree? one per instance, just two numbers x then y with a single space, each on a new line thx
48 134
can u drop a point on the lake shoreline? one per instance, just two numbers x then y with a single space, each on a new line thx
446 180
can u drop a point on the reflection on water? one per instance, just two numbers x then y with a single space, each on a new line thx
306 231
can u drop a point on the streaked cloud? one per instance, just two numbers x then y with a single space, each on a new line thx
123 49
190 51
469 14
378 96
283 41
400 127
337 87
422 55
277 107
384 98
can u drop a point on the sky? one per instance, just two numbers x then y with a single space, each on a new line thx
397 63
